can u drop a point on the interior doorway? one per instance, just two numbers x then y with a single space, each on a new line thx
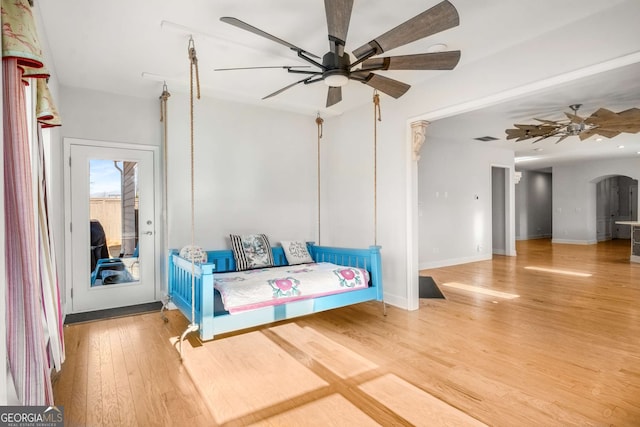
499 197
616 200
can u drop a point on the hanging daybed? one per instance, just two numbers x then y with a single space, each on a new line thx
214 318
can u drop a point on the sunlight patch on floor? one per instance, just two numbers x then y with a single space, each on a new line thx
481 290
556 271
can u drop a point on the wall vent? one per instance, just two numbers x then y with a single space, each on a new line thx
486 138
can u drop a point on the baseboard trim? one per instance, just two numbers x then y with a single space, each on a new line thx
112 312
396 301
574 242
453 261
539 236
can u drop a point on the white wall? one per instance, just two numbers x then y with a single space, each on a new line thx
574 197
534 206
100 116
255 169
349 189
255 172
455 201
89 114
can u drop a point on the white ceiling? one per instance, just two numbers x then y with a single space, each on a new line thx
616 90
108 46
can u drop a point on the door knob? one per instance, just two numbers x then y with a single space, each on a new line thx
149 233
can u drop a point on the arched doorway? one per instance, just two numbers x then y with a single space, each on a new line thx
616 200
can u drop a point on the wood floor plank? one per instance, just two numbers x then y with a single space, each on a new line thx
565 352
63 384
76 368
414 404
110 404
94 415
125 407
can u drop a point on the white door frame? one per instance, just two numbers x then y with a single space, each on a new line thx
159 229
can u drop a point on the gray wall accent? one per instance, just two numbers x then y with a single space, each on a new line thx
534 217
498 200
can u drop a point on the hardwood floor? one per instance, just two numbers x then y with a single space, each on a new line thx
566 351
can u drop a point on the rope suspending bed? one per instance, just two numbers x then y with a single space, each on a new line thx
193 77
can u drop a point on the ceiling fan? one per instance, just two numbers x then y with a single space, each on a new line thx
336 68
603 122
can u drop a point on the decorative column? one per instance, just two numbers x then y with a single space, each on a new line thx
418 135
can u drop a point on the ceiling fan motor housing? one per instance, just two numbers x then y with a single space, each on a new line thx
332 61
575 128
336 68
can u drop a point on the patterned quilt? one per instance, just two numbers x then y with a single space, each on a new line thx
252 289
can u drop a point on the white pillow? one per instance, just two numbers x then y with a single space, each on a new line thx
194 252
296 252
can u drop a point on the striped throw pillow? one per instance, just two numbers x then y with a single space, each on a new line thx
251 251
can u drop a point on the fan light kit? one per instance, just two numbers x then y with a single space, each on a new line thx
337 79
603 122
336 68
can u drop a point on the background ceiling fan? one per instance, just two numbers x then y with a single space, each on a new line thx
336 68
603 122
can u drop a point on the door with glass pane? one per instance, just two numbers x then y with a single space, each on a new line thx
112 227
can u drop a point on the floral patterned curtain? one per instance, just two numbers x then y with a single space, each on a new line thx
33 317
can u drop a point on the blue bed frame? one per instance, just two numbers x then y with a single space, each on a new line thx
222 261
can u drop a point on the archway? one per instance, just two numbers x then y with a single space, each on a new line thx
616 200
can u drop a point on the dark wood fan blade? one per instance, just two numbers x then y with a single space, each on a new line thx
284 67
562 138
389 86
574 118
243 25
540 139
279 91
618 127
538 129
547 122
587 134
607 133
439 18
600 115
422 61
338 17
515 133
334 95
523 132
630 114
